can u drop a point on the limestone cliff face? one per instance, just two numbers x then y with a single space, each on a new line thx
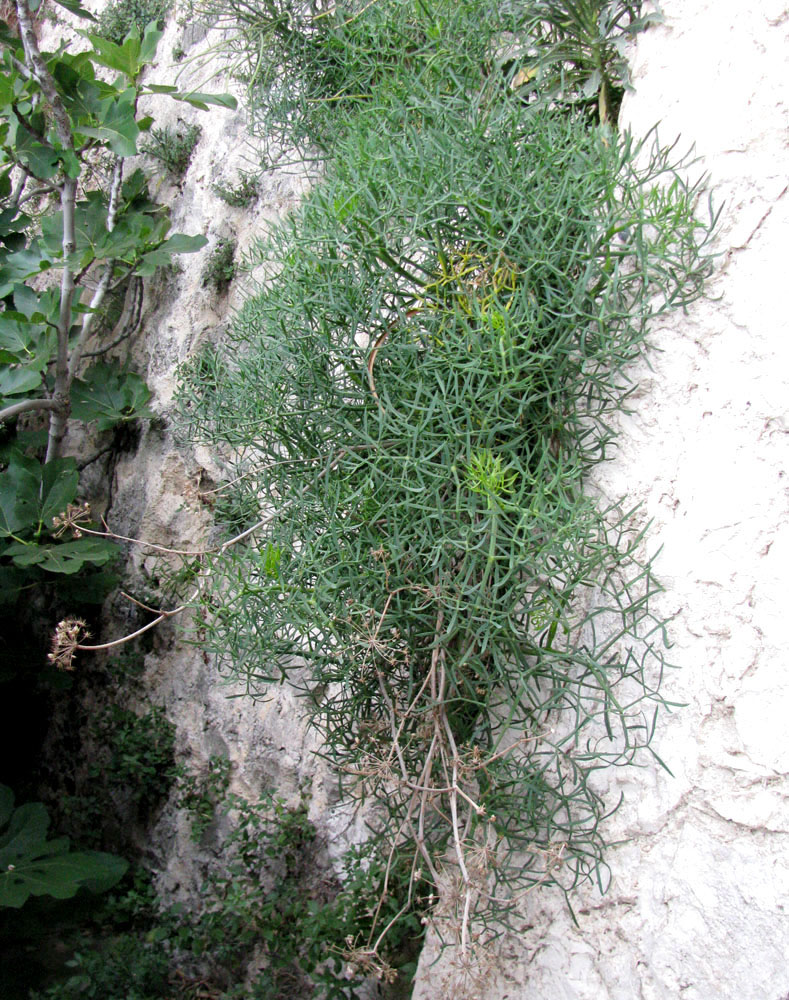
698 903
162 492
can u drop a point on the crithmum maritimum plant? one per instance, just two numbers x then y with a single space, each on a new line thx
415 403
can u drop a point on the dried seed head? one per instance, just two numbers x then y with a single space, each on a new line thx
74 515
65 641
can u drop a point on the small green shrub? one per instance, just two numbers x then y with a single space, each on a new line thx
121 16
270 892
124 967
202 794
308 73
134 754
173 146
239 195
220 268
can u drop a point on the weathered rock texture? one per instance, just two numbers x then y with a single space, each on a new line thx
162 491
698 906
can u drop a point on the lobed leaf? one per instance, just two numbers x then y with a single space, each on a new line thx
32 865
108 396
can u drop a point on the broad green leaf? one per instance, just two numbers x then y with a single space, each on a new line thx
107 53
139 226
25 300
194 97
79 90
108 396
32 865
150 41
21 265
19 488
6 95
64 557
100 871
74 7
59 485
31 494
17 333
150 263
179 243
13 221
135 187
90 226
131 56
60 875
24 341
16 381
133 233
26 832
117 128
41 160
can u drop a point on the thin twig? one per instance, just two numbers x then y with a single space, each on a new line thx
27 404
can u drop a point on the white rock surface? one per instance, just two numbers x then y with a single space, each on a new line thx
161 491
698 907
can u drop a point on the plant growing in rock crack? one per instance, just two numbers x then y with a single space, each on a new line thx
220 268
173 146
239 195
416 401
201 794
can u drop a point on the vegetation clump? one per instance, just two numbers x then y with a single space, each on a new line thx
120 17
173 146
241 194
416 402
269 898
220 268
76 228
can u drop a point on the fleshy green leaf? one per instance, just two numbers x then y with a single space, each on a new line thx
41 160
18 380
18 494
31 493
59 485
150 42
22 265
121 58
